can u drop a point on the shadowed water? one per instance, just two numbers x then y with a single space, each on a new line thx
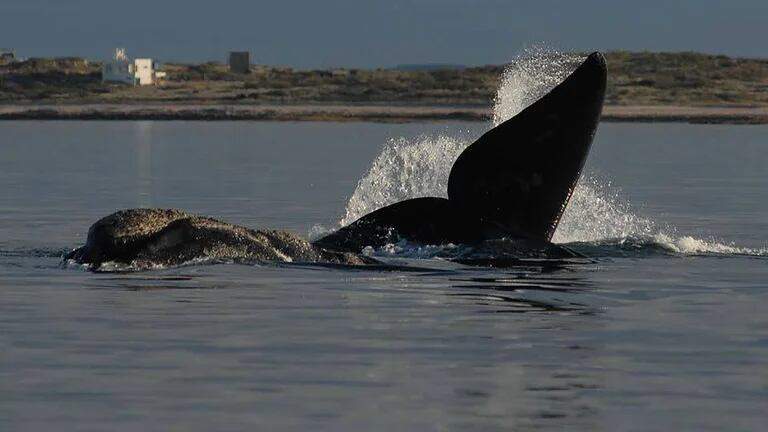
662 328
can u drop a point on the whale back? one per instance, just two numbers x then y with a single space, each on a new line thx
517 179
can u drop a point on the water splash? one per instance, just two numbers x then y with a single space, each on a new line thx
597 215
599 221
528 77
597 211
688 245
405 168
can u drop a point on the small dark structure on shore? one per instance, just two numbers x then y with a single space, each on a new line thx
240 62
7 56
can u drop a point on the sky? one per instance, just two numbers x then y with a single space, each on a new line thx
361 33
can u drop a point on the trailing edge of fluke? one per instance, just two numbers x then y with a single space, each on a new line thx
513 182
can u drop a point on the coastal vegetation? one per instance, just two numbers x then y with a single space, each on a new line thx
636 78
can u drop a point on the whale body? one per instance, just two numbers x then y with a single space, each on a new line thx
506 194
146 238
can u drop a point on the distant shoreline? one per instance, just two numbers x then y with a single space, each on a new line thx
642 87
387 113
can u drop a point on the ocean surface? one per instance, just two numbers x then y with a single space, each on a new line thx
663 328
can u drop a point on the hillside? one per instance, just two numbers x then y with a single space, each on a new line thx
637 79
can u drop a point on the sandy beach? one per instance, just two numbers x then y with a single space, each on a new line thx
359 112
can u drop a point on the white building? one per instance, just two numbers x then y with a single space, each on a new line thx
121 69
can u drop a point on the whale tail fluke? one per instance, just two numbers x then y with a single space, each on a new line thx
513 182
518 178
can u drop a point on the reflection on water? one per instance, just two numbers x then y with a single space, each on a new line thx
510 304
530 289
143 131
543 289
